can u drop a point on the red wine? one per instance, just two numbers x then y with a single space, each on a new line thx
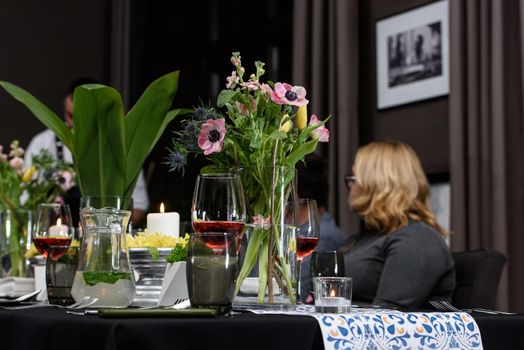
305 246
44 243
218 241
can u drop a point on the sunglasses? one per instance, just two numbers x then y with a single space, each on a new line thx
350 180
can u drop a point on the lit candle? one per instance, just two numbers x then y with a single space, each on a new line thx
167 223
58 229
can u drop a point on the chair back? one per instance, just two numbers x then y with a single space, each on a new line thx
477 274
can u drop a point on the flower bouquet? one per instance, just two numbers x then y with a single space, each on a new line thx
20 193
261 131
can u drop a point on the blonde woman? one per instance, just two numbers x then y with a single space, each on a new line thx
400 258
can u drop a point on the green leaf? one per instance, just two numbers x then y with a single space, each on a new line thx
92 278
301 152
99 145
155 254
250 259
44 114
178 253
145 123
225 96
278 135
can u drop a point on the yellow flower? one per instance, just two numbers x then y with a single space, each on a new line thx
29 174
287 125
302 117
154 240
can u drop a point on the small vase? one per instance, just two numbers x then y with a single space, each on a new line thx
15 239
174 285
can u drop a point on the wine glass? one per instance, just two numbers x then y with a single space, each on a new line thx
308 232
218 206
54 227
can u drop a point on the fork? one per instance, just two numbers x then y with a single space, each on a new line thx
443 305
82 303
175 305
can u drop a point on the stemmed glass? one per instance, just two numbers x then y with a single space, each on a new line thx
218 206
54 227
308 232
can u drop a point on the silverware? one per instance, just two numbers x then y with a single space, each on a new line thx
443 305
83 303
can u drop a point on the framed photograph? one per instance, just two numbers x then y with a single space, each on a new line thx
413 55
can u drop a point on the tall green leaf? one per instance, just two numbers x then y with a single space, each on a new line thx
100 153
146 122
44 114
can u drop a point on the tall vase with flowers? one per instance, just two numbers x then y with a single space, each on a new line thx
262 129
21 190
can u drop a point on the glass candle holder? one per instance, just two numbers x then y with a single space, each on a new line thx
333 294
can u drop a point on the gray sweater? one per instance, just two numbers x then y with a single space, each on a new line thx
404 268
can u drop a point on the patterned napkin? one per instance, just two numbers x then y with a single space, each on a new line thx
391 329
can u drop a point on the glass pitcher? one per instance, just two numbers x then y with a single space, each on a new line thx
104 271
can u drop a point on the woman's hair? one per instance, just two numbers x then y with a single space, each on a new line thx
393 188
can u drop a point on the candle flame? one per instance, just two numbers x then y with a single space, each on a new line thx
59 223
332 293
162 207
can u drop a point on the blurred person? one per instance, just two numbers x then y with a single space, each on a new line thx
312 183
400 258
49 141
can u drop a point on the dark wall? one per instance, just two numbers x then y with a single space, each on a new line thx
44 46
423 125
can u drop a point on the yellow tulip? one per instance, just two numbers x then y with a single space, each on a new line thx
28 174
302 117
287 125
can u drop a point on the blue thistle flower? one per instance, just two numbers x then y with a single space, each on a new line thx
176 160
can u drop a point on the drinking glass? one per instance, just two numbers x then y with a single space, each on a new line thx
60 274
212 268
308 231
54 227
219 205
327 263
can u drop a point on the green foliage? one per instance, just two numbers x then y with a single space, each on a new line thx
108 146
92 278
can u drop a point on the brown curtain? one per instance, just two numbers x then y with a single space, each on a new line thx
486 135
325 62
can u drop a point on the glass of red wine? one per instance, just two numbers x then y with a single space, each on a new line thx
308 231
54 227
218 206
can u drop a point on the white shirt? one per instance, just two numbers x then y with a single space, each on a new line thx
47 140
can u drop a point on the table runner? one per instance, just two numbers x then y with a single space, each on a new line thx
377 329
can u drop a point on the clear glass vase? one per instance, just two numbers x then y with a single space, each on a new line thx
15 239
268 251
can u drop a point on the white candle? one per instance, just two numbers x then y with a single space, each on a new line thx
58 229
167 223
333 301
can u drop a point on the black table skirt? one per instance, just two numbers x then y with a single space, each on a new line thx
49 328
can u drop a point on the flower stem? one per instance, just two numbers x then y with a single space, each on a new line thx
272 227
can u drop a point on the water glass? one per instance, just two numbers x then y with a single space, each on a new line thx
212 268
333 294
328 263
60 274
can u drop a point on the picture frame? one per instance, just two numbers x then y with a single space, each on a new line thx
412 55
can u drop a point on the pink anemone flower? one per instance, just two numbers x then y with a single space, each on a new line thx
212 136
321 133
285 94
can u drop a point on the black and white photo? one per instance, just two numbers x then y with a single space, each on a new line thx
413 55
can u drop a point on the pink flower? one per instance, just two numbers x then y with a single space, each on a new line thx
244 110
17 163
260 220
235 61
286 94
265 88
232 80
66 180
250 85
321 133
212 136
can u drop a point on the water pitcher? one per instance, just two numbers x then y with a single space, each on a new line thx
104 271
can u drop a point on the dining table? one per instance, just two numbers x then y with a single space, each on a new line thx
53 328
